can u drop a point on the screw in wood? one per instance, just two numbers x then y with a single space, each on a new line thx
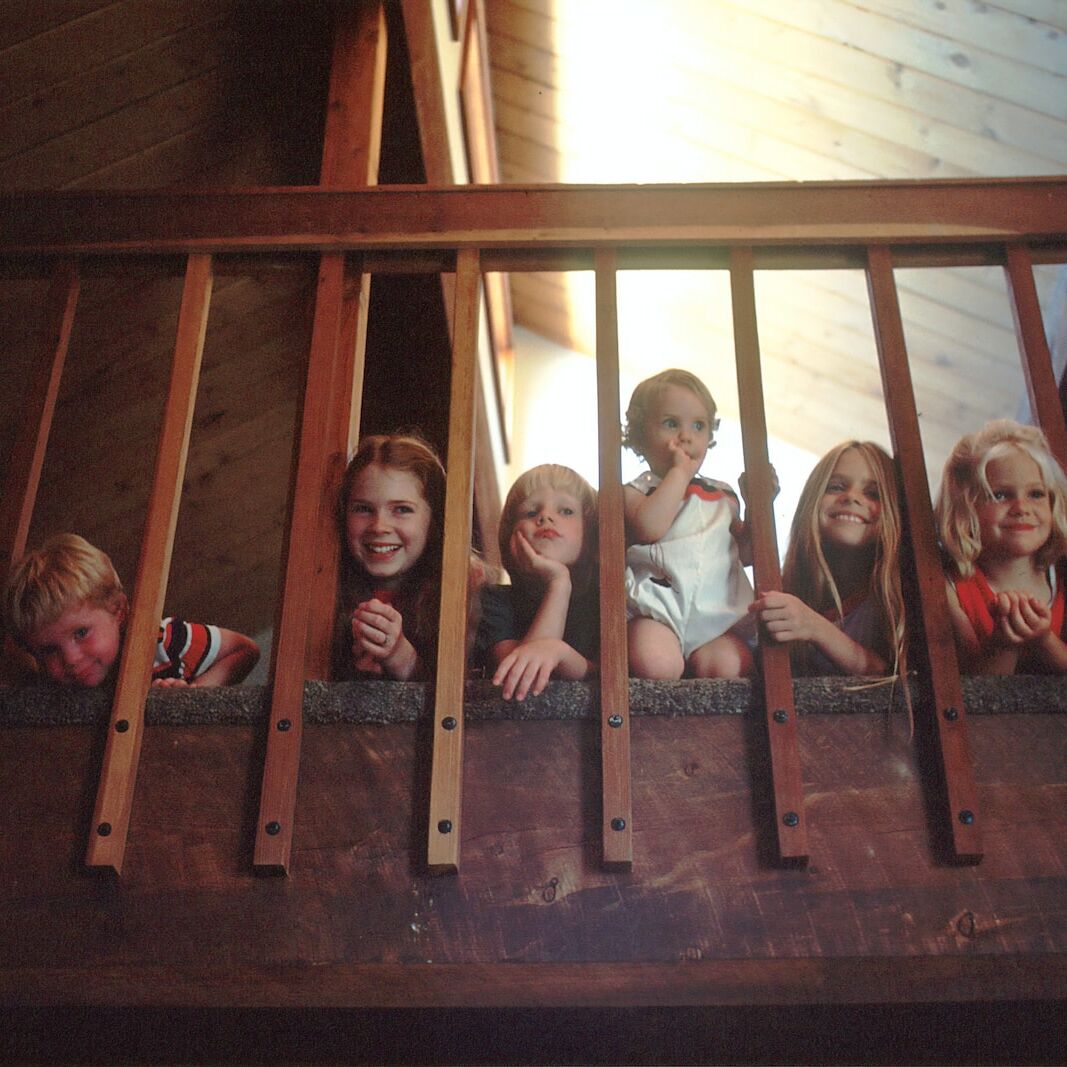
618 824
966 817
284 725
615 720
449 722
444 826
791 818
122 726
273 827
781 715
952 714
104 829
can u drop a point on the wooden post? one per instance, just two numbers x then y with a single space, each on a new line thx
114 798
777 680
948 711
1041 384
330 426
277 801
616 815
28 450
446 778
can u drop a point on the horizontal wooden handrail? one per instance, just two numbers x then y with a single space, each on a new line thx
854 214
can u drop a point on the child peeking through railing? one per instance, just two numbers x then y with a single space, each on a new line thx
64 605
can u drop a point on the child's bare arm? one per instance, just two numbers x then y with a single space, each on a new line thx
648 518
528 666
237 656
787 618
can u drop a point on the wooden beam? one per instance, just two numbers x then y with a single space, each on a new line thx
950 721
351 151
28 451
1041 386
616 814
114 798
776 677
446 779
316 219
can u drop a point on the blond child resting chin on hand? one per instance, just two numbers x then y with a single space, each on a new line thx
546 623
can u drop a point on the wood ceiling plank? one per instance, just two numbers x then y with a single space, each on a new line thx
92 94
104 34
989 27
961 66
22 22
1050 12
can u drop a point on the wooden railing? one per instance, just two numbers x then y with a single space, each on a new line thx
470 231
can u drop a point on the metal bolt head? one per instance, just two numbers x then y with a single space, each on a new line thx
781 715
104 829
284 725
618 823
449 722
791 818
615 720
966 817
952 714
444 826
273 828
122 726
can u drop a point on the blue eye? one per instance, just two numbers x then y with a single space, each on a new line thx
671 424
566 511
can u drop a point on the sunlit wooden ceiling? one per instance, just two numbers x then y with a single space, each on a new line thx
761 90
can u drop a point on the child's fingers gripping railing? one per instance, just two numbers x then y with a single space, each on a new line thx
114 798
616 815
446 778
950 723
776 676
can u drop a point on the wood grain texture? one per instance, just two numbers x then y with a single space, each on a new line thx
962 818
1041 384
616 810
775 675
277 805
535 918
446 776
118 775
26 459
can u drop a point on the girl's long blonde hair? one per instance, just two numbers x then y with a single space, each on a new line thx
807 574
964 485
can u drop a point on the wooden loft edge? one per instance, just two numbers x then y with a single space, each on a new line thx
846 980
534 217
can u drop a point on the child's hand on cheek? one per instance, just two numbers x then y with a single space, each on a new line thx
532 563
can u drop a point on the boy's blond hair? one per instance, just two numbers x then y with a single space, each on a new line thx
964 484
64 572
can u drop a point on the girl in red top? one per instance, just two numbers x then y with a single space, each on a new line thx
1002 517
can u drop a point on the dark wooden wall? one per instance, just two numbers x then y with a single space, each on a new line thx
150 94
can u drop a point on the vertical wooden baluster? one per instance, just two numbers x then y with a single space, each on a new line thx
28 451
951 722
114 798
616 814
777 679
351 151
330 425
446 778
1041 384
277 800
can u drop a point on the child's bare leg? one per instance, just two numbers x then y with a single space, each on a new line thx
654 650
722 657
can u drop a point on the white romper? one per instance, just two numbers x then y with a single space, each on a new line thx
691 579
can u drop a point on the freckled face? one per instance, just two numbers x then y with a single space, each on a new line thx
850 512
387 522
551 520
80 647
1016 520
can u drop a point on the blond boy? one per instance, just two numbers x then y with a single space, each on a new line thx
63 603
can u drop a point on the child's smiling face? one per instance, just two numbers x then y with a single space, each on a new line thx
1016 520
677 421
81 646
850 511
551 520
387 522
